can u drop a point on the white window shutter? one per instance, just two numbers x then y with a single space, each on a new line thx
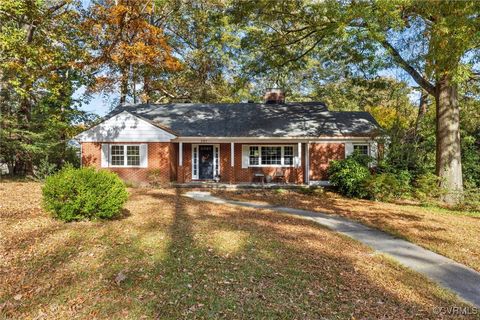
105 155
144 155
348 149
245 156
296 158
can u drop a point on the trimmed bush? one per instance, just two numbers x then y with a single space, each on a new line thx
349 177
84 194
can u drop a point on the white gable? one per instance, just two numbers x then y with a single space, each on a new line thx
125 127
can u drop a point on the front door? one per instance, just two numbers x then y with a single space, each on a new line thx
205 162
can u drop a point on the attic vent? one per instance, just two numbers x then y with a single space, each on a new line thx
274 96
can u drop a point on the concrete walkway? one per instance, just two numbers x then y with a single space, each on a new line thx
460 279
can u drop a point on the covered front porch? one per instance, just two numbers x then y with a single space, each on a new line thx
245 163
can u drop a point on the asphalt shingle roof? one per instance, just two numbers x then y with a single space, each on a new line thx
302 119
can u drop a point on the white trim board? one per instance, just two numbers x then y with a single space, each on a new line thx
212 140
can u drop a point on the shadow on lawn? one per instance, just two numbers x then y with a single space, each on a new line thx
284 268
274 275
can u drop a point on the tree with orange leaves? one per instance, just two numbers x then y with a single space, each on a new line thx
128 48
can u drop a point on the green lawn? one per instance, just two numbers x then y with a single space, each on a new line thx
171 257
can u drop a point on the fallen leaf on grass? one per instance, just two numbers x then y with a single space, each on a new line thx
120 278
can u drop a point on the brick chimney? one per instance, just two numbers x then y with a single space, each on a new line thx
274 95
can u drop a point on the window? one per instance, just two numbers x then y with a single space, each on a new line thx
361 149
123 155
133 155
271 156
118 158
254 156
288 155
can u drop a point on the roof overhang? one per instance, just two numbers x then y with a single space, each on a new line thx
272 139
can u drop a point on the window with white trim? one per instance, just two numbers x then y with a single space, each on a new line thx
254 156
271 155
117 155
133 155
266 156
288 155
361 149
124 155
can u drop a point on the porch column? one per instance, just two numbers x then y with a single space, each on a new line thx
180 173
232 162
307 163
180 154
299 154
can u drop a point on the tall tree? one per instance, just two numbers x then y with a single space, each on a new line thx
127 46
435 42
40 52
204 40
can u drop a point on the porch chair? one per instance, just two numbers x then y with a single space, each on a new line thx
258 174
279 175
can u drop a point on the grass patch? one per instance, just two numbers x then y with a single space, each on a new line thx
172 257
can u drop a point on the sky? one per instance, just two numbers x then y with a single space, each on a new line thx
98 104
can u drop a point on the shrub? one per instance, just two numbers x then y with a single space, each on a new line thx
349 177
470 200
427 187
388 186
362 159
78 194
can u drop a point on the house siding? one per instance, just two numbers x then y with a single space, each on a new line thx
161 157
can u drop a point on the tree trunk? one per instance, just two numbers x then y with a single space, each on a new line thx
448 156
422 110
124 86
146 89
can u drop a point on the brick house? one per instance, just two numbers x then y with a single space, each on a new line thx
230 143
